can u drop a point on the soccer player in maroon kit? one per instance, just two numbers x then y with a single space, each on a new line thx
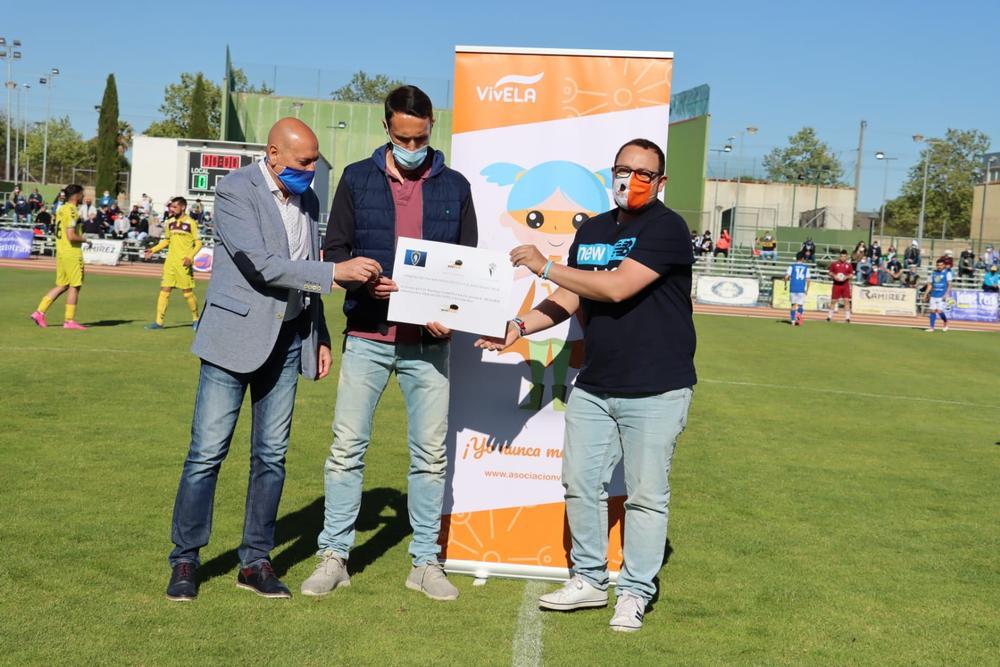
840 272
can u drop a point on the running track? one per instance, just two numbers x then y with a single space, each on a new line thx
153 270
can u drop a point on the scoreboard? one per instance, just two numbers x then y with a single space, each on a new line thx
205 169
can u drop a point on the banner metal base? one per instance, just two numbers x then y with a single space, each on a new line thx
483 571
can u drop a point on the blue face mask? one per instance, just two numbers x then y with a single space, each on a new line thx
296 180
408 159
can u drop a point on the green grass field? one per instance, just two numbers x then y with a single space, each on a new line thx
835 501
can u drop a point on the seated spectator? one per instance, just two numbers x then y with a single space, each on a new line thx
35 201
706 243
893 270
21 209
722 245
808 250
196 210
58 201
43 220
966 263
912 255
121 225
864 270
94 227
138 228
859 253
991 256
105 200
155 227
875 253
948 258
991 280
85 209
768 247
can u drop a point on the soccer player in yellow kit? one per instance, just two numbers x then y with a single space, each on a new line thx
69 261
181 235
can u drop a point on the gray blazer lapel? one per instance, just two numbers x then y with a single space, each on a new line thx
270 207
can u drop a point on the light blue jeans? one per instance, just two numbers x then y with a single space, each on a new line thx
601 430
422 371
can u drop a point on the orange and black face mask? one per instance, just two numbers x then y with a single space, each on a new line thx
631 193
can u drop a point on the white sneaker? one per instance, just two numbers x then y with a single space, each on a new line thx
929 330
628 613
577 593
944 328
329 575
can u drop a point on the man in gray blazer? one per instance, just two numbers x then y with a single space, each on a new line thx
262 325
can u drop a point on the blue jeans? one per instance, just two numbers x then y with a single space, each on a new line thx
601 429
422 371
216 409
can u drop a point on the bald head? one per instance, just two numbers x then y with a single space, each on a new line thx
291 131
291 144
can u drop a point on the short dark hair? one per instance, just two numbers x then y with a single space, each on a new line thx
72 189
408 100
180 200
649 146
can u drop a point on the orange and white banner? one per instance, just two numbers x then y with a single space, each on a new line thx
535 131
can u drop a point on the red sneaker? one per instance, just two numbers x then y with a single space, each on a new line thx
798 319
73 324
38 317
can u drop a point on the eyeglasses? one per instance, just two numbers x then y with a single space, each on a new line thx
644 175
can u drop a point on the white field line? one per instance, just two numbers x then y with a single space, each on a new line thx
77 350
527 647
842 392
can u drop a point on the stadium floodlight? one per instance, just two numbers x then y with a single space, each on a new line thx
9 55
47 82
751 130
880 155
919 138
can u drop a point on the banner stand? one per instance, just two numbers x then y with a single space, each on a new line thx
535 131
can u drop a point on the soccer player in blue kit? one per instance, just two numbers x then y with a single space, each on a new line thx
939 290
797 278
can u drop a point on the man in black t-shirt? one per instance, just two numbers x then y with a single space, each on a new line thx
629 275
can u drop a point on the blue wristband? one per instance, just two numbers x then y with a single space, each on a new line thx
544 275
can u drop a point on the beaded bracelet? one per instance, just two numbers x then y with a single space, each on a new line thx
521 328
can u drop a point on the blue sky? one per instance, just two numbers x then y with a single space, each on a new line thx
905 67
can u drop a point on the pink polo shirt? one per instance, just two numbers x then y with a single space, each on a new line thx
408 195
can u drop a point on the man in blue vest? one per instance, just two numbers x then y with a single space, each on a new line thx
403 190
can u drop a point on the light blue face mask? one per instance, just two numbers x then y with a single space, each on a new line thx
296 180
408 159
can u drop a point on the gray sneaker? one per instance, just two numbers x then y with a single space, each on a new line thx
429 579
329 575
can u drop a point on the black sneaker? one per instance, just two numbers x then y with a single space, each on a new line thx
183 586
261 580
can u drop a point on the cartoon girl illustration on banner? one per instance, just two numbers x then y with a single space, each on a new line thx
546 205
